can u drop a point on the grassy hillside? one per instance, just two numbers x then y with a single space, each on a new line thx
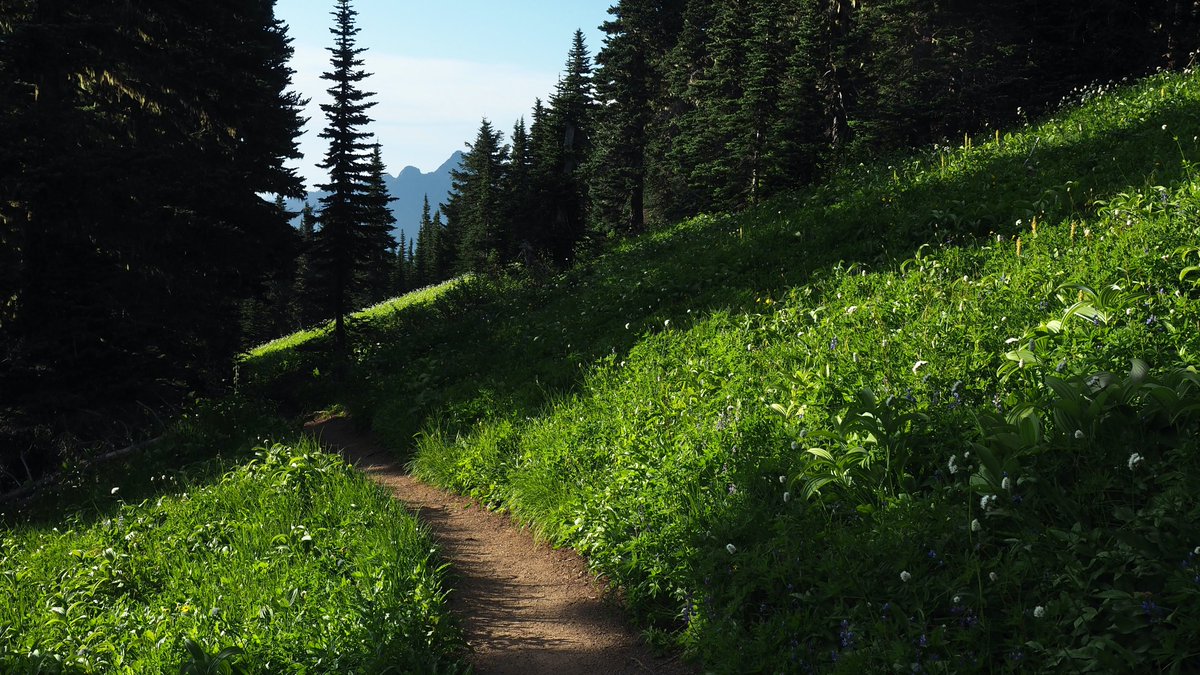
278 559
938 414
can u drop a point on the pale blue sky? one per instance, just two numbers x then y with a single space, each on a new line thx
440 67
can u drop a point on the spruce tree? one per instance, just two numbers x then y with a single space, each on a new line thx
442 251
543 152
571 117
412 256
475 209
519 196
426 262
375 241
344 235
798 133
399 269
628 87
306 297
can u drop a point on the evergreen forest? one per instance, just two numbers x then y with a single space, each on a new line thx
837 336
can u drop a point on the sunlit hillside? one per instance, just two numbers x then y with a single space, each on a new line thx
936 413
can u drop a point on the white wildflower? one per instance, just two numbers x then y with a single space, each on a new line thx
976 526
905 576
917 366
666 323
787 497
1134 460
993 576
952 466
1079 434
852 309
115 490
1039 612
1006 483
626 326
731 548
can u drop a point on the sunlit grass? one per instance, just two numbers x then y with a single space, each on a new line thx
290 561
374 312
936 414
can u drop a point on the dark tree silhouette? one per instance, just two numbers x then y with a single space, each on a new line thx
344 234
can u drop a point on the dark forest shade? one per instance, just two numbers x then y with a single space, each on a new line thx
121 273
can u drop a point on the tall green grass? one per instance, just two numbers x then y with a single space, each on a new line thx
938 414
286 561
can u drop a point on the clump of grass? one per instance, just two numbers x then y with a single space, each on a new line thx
289 561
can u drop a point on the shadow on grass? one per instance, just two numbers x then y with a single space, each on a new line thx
513 347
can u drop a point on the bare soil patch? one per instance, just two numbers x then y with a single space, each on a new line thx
524 607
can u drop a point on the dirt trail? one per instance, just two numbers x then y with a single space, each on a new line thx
524 607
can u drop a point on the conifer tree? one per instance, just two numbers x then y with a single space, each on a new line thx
376 239
717 142
798 134
628 87
400 276
442 248
344 241
544 178
308 309
519 195
426 262
558 147
475 208
412 256
571 118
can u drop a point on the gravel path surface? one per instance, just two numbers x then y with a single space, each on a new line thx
524 607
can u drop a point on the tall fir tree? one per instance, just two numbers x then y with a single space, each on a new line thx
412 256
799 134
475 209
400 277
628 84
306 298
376 239
570 117
344 240
442 247
544 178
705 148
519 196
426 261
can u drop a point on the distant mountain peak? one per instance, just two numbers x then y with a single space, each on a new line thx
409 188
452 163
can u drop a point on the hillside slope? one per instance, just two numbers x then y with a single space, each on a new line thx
933 415
261 558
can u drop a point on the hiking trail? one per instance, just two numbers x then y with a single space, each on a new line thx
524 607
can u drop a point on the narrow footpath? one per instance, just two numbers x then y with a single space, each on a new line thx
524 607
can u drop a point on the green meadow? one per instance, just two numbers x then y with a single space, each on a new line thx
266 557
935 414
